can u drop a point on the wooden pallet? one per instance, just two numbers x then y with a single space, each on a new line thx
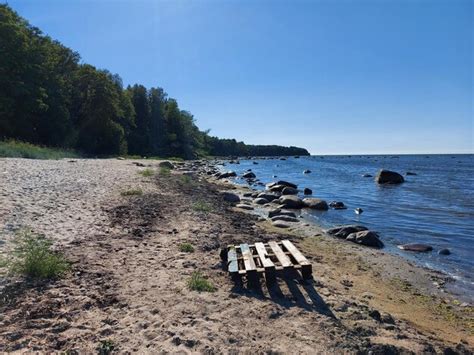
268 258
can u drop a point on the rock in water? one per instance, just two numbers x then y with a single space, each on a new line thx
358 210
286 183
315 204
291 201
444 252
230 197
366 175
249 175
344 231
421 248
337 205
368 238
389 177
307 191
408 173
307 171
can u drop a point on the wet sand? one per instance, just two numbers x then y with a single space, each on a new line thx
128 283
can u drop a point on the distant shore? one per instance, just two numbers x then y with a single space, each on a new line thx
122 230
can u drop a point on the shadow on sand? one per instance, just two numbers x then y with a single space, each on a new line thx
290 290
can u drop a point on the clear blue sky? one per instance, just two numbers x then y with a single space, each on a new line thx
335 76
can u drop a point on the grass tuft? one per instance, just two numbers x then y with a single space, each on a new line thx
18 149
105 347
201 206
186 179
33 257
198 282
164 171
132 192
186 248
147 172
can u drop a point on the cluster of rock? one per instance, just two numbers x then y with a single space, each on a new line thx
357 234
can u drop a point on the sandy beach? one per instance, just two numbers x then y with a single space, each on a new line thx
128 283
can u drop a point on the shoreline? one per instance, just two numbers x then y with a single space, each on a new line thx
458 282
128 282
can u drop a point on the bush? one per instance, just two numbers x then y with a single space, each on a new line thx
132 192
202 206
18 149
200 283
33 257
147 172
186 248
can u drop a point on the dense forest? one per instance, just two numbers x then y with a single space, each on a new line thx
48 97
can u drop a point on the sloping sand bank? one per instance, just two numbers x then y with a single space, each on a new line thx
128 284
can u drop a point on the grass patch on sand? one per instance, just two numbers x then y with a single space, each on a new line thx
132 192
199 283
147 172
105 347
186 248
33 257
201 206
18 149
164 171
186 179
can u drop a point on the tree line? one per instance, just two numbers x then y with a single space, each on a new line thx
48 97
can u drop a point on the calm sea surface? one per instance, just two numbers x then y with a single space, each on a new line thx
435 207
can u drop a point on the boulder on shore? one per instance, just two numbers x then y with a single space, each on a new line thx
230 197
284 218
291 202
315 204
280 224
344 231
260 201
270 196
227 174
289 191
389 177
367 238
166 164
307 191
280 212
420 248
244 206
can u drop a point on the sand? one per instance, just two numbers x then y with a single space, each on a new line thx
128 283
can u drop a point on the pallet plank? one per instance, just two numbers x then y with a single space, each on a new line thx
281 256
295 253
232 263
306 268
263 255
248 258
